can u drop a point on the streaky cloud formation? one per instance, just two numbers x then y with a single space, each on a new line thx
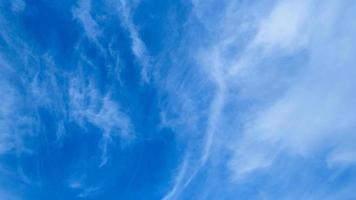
140 99
293 111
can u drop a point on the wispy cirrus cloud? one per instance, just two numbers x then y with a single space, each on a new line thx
259 94
40 98
83 189
274 97
15 122
311 111
82 12
7 117
125 10
89 105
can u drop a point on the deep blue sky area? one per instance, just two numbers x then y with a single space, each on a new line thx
177 99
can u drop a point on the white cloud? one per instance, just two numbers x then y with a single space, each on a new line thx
287 91
83 189
125 8
30 81
15 124
286 28
88 105
316 111
342 158
83 14
179 180
9 98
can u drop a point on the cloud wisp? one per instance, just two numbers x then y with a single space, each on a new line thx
287 89
40 97
88 105
222 99
124 9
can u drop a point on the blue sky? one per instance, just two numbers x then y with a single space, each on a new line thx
193 99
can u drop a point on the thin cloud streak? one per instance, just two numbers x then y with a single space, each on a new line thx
87 104
290 113
83 14
138 47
